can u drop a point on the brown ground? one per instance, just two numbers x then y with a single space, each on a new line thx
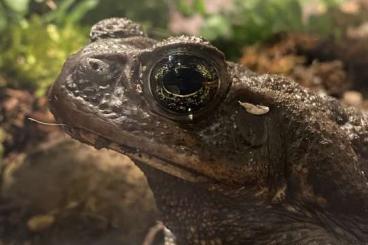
64 192
337 68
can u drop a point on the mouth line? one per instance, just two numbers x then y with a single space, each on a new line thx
137 155
93 129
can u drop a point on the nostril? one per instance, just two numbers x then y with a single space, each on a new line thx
97 65
94 65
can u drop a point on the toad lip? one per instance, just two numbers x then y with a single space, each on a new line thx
139 149
151 159
84 120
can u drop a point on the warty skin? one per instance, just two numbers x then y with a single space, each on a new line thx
296 174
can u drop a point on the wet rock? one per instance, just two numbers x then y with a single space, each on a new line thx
353 98
40 222
68 193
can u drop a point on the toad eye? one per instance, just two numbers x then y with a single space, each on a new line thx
183 83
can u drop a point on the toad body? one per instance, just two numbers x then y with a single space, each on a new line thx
231 156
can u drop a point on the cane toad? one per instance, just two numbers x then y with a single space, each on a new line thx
232 157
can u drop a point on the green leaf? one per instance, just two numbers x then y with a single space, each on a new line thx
19 6
59 14
3 20
199 6
33 53
216 26
184 8
80 10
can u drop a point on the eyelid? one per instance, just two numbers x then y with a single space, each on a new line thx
113 57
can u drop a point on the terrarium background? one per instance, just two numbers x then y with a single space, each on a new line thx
55 190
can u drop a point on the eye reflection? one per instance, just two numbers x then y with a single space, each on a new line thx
184 83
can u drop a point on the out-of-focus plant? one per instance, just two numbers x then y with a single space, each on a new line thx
250 21
152 14
33 52
2 138
12 11
189 7
70 11
34 46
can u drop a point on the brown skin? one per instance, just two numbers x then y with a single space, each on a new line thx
221 175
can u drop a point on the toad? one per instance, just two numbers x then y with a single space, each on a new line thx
232 157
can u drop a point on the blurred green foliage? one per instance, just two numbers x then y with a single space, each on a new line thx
2 139
188 8
34 46
33 52
12 11
70 11
149 13
253 21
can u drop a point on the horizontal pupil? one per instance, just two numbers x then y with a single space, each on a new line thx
181 80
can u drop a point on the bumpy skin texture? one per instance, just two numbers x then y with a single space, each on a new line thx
294 175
